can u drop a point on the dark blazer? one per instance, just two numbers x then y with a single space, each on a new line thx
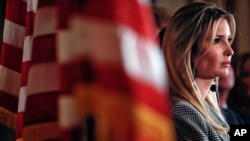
232 117
190 125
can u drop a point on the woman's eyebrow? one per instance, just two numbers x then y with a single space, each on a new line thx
218 35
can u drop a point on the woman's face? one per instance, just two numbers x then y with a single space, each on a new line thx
217 58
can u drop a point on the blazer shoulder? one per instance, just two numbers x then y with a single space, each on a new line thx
184 108
185 114
190 124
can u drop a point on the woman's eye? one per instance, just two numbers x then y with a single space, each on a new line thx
230 40
217 40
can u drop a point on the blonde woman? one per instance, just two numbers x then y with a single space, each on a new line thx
197 49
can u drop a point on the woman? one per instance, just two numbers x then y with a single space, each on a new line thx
197 49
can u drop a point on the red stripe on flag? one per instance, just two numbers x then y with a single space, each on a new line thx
45 3
43 49
74 72
147 94
109 75
8 102
41 108
127 12
19 125
15 11
70 135
65 9
123 12
11 57
30 17
25 71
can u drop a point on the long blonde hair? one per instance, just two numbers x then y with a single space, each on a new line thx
187 29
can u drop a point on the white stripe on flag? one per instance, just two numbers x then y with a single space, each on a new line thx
27 48
97 40
10 81
22 99
13 34
158 66
67 114
142 58
43 78
45 21
32 5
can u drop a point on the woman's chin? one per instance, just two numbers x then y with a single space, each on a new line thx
224 73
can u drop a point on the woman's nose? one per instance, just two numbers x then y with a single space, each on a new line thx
229 51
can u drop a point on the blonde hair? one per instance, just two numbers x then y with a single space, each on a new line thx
187 29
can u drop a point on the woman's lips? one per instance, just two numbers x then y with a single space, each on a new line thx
226 64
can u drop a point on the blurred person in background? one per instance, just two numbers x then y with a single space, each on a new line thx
225 85
239 99
162 17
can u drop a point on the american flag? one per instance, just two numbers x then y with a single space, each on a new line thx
86 70
10 66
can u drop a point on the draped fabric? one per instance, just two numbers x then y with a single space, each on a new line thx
82 70
26 57
40 116
10 66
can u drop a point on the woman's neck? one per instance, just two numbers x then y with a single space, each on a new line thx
204 86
